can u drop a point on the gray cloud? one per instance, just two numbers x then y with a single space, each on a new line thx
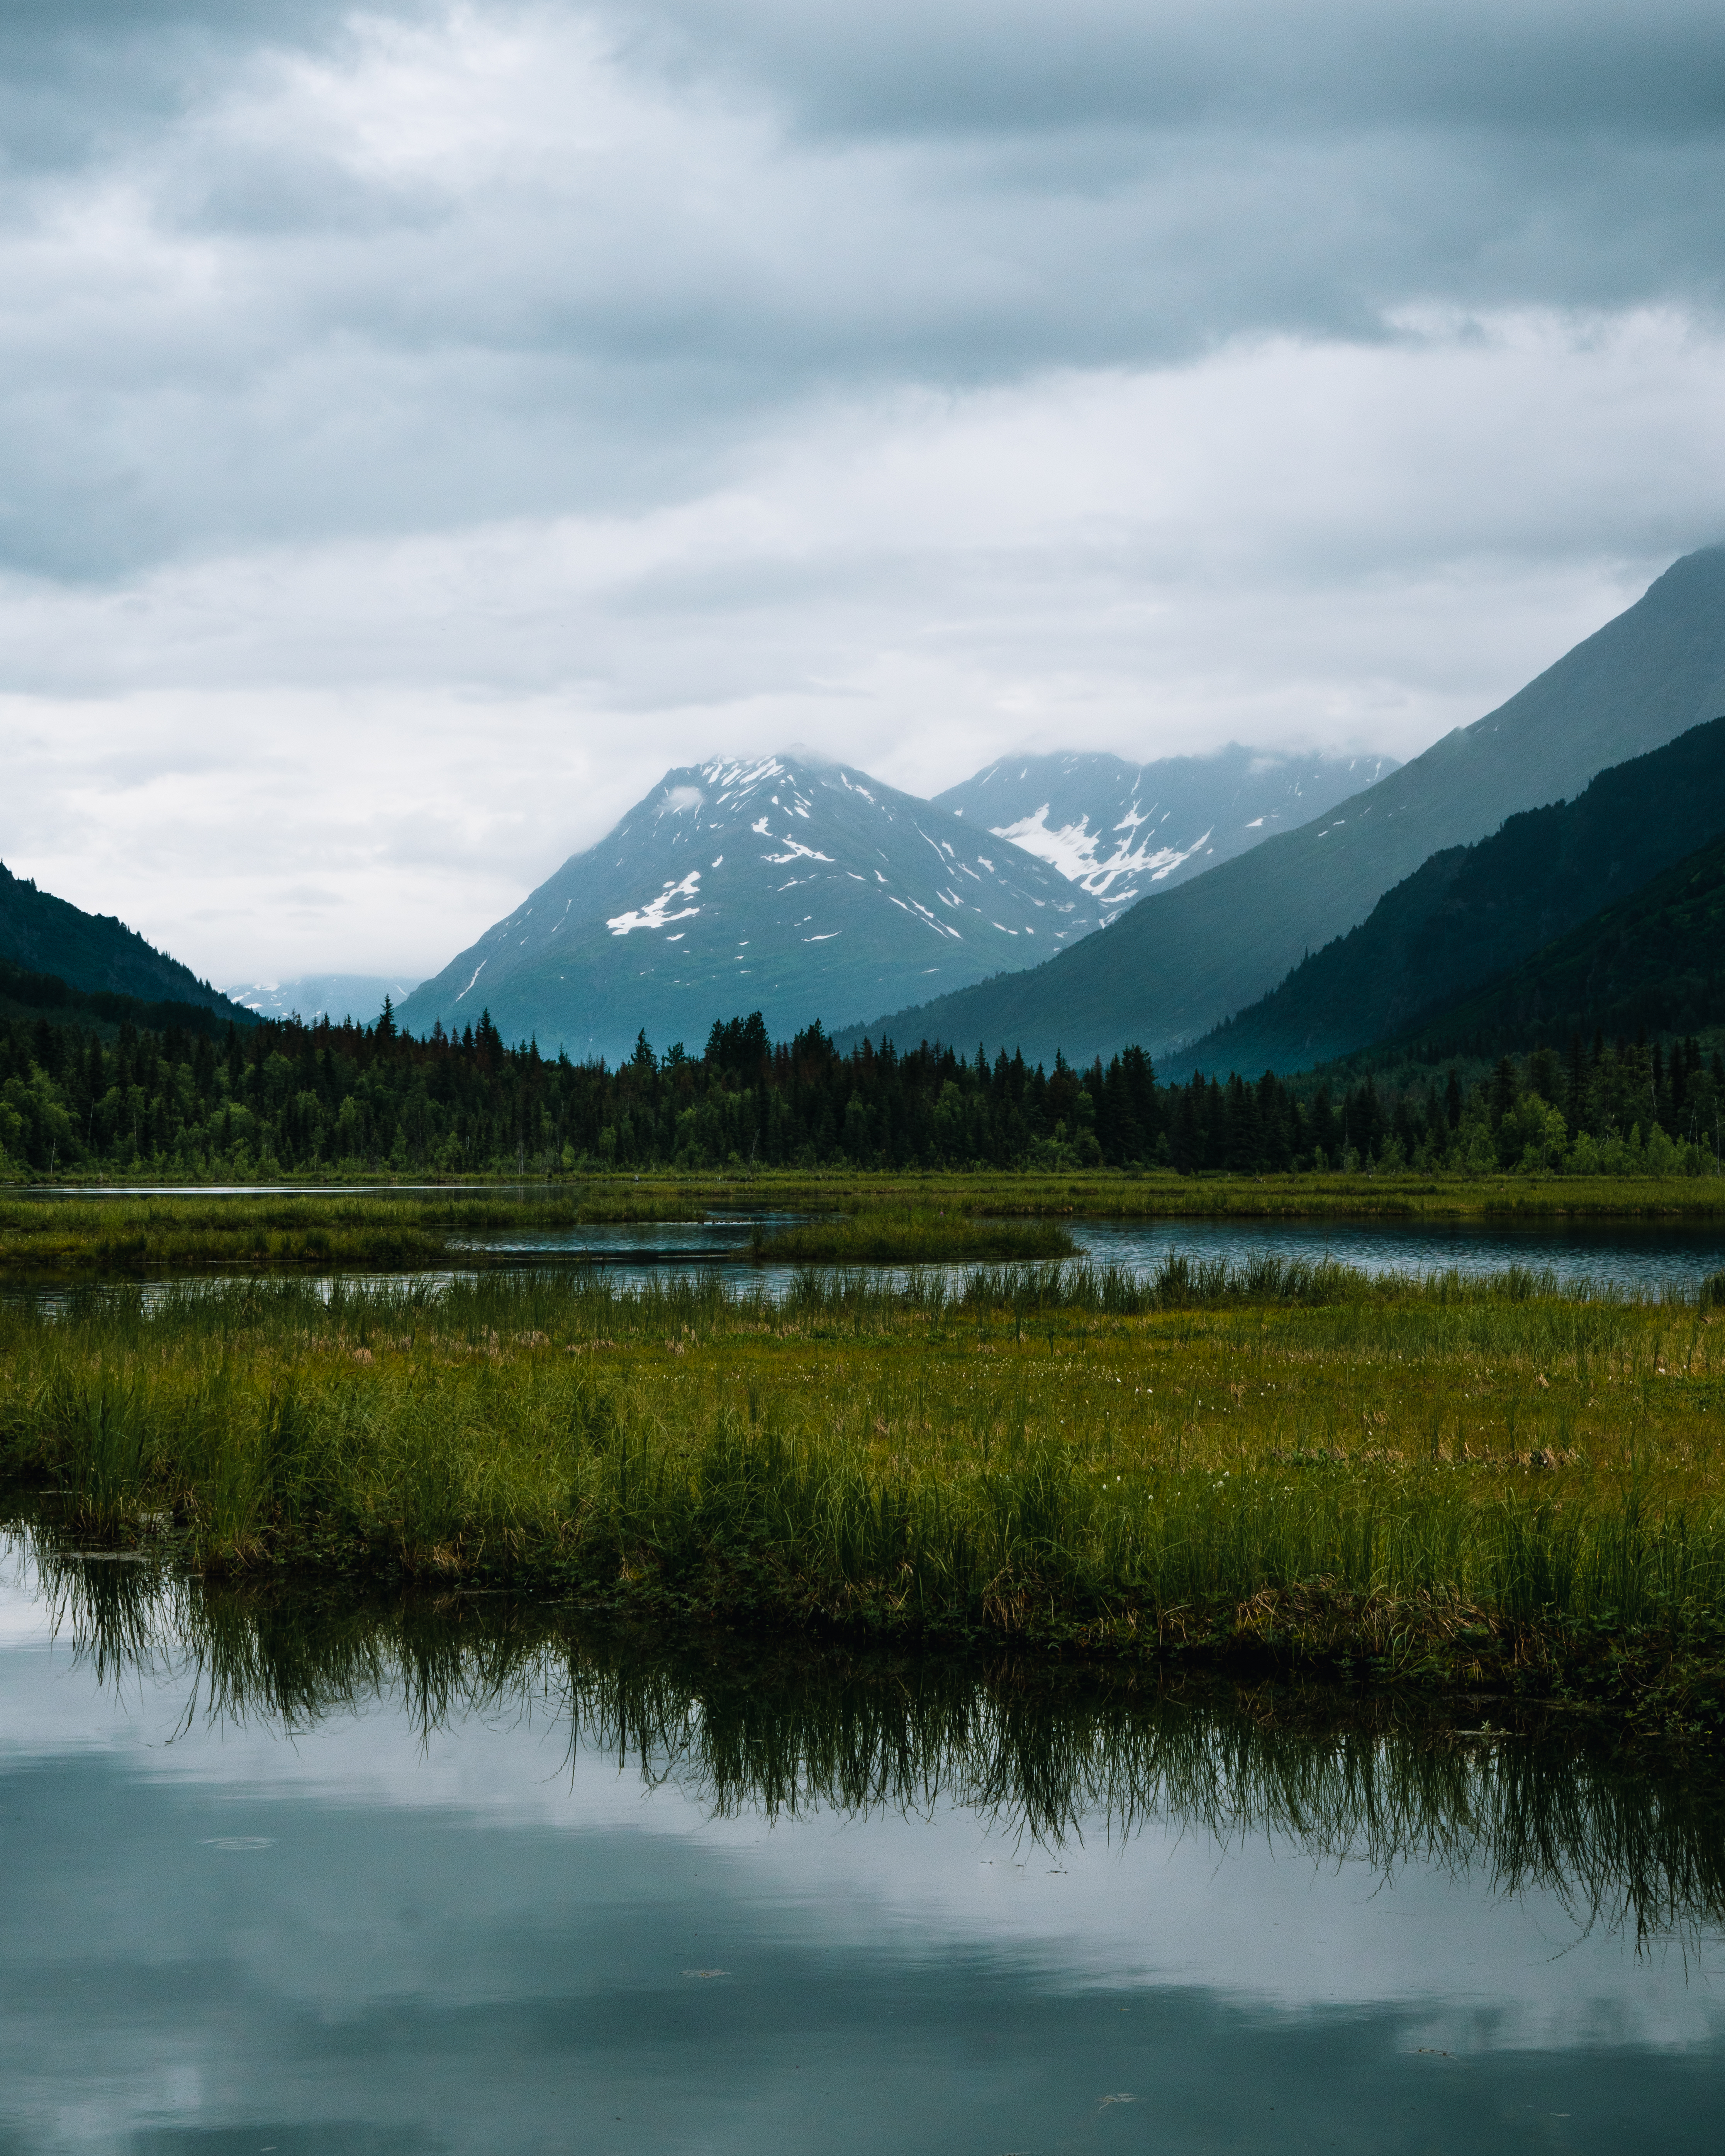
282 272
421 426
1568 66
78 85
1563 152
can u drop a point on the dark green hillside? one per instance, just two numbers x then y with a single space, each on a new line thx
101 1012
1176 965
95 951
1653 964
1471 913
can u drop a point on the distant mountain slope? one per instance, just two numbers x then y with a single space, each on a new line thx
1180 961
44 934
802 891
1470 912
1652 962
1121 830
312 996
101 1011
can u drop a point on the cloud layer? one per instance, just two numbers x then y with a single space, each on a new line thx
418 427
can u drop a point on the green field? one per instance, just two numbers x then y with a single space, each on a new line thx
879 1232
1490 1488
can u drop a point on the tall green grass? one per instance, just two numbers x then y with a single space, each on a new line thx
1295 1462
903 1234
117 1234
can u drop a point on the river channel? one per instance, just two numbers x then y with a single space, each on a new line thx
329 1876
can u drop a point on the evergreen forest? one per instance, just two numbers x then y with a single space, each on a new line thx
282 1097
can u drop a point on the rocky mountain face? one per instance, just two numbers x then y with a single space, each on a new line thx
1121 831
803 890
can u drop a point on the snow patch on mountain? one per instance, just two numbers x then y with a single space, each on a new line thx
808 890
1077 851
657 913
1119 831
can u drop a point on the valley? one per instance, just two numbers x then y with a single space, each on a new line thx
1543 998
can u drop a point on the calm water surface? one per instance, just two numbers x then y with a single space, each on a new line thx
315 1878
1635 1259
1659 1259
1651 1260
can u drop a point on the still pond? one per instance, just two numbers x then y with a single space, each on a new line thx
318 1875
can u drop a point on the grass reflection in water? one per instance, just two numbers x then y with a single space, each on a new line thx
1033 1749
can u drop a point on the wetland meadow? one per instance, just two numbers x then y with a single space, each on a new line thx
684 1668
906 1418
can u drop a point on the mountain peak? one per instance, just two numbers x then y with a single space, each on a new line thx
803 889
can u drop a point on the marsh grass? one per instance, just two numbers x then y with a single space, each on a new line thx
884 1233
31 1227
752 1724
1457 1482
191 1233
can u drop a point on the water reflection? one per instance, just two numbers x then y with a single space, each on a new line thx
1660 1261
1032 1750
1627 1258
1631 1259
298 1872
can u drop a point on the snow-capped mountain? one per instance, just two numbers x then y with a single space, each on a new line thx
339 995
1119 829
804 890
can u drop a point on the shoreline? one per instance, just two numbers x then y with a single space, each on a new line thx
1652 1690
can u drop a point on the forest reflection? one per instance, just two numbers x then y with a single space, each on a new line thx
738 1723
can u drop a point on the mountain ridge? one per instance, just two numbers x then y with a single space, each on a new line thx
94 953
1179 962
310 996
1157 824
1648 963
796 887
1469 913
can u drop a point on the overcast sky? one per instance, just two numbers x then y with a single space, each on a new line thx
421 427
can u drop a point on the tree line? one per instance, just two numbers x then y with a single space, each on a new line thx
1612 1108
282 1096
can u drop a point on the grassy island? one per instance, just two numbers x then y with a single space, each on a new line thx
1492 1488
194 1231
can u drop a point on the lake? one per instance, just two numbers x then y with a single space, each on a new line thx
1637 1260
319 1875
